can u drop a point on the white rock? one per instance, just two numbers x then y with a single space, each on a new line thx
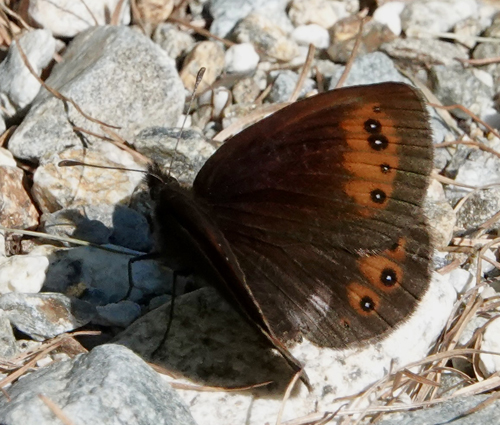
183 122
480 172
23 273
489 363
18 87
220 100
389 14
322 12
44 362
425 18
470 327
217 98
462 280
486 266
241 58
312 34
488 292
67 18
485 77
63 187
6 158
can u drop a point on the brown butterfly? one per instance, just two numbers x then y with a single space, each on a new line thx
311 219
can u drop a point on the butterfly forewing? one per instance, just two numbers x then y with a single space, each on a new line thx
321 204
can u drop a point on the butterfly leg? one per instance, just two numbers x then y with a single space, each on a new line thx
170 313
150 256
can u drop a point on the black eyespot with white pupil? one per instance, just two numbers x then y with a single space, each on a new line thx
385 168
378 196
372 126
367 304
388 277
378 142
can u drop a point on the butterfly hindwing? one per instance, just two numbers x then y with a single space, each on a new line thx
321 204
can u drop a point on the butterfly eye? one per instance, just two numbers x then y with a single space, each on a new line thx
378 142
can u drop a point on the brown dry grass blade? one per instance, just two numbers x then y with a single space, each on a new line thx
286 396
354 53
56 410
40 353
303 74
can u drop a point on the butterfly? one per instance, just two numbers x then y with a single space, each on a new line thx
311 220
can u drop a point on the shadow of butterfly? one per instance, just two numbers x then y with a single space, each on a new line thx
311 220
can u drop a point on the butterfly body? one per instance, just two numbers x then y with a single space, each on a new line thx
311 220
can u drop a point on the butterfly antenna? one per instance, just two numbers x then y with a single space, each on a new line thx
199 77
74 163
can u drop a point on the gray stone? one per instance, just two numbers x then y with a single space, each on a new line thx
173 40
267 37
18 87
456 85
426 51
485 51
108 386
128 82
284 85
371 68
120 314
8 347
227 13
479 168
101 224
245 91
190 151
103 275
478 208
440 215
47 315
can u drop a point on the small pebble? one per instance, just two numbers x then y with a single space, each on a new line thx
241 58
